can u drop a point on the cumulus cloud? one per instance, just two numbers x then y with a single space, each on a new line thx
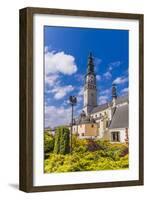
98 77
55 116
80 94
120 80
79 77
107 75
81 91
59 62
125 90
114 65
106 92
103 99
56 65
51 79
61 91
97 62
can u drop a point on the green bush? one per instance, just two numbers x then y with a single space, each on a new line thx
88 161
86 155
62 140
48 142
57 141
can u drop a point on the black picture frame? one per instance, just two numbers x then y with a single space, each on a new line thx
26 99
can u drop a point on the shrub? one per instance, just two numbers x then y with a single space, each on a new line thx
62 140
79 145
87 155
86 161
57 141
92 145
48 142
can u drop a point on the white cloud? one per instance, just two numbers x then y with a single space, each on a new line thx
81 91
125 90
55 116
106 92
79 77
59 62
46 49
98 77
51 79
120 80
97 62
114 65
103 99
61 91
107 75
80 94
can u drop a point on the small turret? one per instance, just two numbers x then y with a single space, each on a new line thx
114 94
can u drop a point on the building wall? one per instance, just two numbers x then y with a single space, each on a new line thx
81 129
101 132
91 129
122 132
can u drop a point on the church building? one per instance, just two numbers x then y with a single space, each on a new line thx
108 121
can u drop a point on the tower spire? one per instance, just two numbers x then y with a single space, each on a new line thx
90 90
90 67
114 92
114 95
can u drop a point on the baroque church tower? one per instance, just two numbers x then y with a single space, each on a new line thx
90 90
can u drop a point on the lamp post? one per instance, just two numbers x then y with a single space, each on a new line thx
73 101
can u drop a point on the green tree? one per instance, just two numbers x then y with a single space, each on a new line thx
57 141
48 142
62 140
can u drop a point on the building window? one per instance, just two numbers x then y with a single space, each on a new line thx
95 115
115 136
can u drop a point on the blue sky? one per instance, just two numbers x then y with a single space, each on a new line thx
66 52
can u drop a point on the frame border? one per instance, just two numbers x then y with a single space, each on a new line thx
26 98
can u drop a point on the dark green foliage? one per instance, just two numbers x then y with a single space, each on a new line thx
92 145
64 140
61 140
